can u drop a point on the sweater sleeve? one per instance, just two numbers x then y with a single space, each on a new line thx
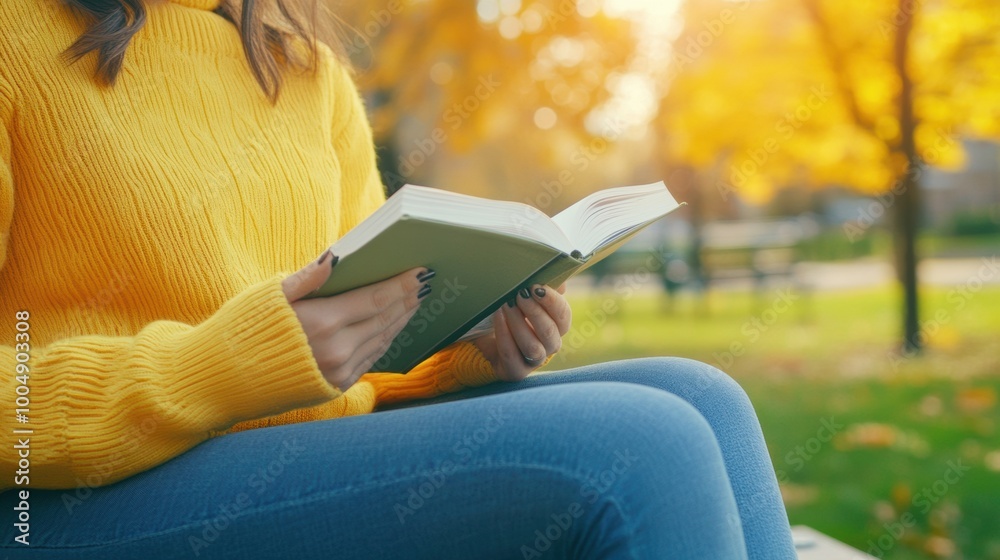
459 366
102 408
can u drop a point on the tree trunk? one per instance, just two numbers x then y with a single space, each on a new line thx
686 180
907 205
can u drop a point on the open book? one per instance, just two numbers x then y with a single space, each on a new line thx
484 251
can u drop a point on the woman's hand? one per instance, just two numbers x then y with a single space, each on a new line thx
527 332
348 332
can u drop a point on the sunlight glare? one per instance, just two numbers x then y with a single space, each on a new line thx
646 9
488 11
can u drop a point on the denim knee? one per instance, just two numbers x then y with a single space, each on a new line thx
694 381
617 420
652 467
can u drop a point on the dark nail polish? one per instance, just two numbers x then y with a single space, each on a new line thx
425 276
510 302
323 257
540 292
336 259
525 293
424 291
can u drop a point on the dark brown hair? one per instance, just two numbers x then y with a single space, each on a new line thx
268 32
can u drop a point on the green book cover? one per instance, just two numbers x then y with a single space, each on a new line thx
483 251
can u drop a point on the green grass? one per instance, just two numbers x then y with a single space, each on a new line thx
833 356
833 245
945 245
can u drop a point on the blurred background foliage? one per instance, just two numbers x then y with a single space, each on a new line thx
702 84
821 146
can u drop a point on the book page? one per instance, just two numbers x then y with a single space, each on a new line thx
605 216
498 216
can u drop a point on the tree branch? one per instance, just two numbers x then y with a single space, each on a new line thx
837 64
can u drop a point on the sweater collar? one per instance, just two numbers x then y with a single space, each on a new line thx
199 4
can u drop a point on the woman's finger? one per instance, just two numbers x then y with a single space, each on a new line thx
311 277
508 354
555 306
372 337
372 327
369 301
545 328
524 335
368 352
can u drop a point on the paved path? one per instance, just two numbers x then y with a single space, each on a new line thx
932 272
840 275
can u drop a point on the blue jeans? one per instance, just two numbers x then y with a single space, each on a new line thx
656 458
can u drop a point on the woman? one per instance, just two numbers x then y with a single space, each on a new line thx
165 167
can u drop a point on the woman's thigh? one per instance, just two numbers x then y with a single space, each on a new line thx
592 470
728 411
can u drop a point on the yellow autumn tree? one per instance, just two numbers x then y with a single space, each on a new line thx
513 82
766 94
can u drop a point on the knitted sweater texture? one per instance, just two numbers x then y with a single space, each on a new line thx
145 230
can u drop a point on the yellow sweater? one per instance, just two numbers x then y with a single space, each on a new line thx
145 230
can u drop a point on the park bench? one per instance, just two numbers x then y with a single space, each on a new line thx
758 250
730 253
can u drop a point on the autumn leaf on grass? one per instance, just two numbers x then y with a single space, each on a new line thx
992 460
931 405
902 496
795 495
940 547
869 434
874 435
976 399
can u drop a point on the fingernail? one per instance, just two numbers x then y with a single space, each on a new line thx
427 275
336 259
323 257
510 302
525 293
540 292
424 291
